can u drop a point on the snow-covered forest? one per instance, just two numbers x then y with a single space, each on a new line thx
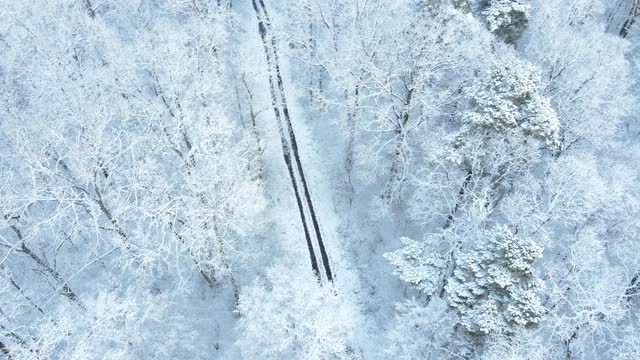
320 179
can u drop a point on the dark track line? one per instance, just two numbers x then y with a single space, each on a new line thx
294 144
286 151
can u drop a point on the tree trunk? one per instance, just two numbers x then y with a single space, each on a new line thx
395 179
90 9
66 289
632 14
634 286
351 134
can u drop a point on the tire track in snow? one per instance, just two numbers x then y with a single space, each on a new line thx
271 52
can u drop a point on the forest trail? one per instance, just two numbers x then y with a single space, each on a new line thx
288 141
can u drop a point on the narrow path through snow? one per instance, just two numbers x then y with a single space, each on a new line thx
288 140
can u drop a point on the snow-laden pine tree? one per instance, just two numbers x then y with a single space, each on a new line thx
510 96
494 286
507 18
418 263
